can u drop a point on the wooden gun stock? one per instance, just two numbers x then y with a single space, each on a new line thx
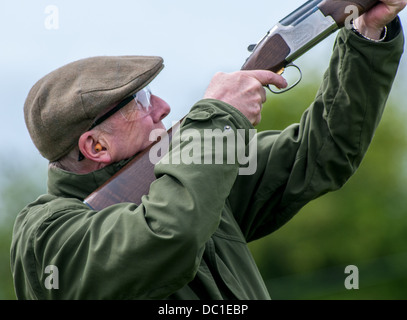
337 8
127 185
285 42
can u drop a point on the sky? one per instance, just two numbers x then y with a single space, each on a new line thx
196 40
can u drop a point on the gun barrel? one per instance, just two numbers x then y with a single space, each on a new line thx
297 15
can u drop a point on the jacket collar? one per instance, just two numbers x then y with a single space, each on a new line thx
62 183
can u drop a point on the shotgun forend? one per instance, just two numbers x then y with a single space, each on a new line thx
301 30
291 37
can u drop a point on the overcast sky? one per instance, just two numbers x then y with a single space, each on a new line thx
195 38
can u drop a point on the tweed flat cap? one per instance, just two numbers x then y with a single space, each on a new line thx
63 104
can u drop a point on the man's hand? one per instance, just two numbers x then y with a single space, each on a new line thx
244 90
372 23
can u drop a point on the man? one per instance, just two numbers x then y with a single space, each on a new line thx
188 238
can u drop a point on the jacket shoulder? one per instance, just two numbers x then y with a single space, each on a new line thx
29 227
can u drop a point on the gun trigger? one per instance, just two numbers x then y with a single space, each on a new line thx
251 47
281 71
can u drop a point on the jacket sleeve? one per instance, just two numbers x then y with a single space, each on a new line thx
320 153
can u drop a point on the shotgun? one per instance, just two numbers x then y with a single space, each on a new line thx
294 35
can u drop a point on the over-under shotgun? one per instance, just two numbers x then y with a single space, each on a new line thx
286 41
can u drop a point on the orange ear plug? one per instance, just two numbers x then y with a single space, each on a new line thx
98 147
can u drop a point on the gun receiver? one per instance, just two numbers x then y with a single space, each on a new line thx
288 40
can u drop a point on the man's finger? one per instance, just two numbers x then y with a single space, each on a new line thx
266 77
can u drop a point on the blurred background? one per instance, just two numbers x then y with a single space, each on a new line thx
364 224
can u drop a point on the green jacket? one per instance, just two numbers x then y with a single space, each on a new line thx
188 239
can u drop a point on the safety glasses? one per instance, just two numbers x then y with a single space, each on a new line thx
139 105
136 106
132 108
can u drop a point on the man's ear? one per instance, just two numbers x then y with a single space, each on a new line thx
94 149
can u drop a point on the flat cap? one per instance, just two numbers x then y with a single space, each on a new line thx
62 105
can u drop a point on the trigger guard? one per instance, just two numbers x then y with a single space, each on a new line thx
293 85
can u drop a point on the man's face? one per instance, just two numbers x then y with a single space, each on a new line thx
132 136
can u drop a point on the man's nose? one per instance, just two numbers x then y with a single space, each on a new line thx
161 109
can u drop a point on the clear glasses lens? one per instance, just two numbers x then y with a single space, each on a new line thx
139 107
